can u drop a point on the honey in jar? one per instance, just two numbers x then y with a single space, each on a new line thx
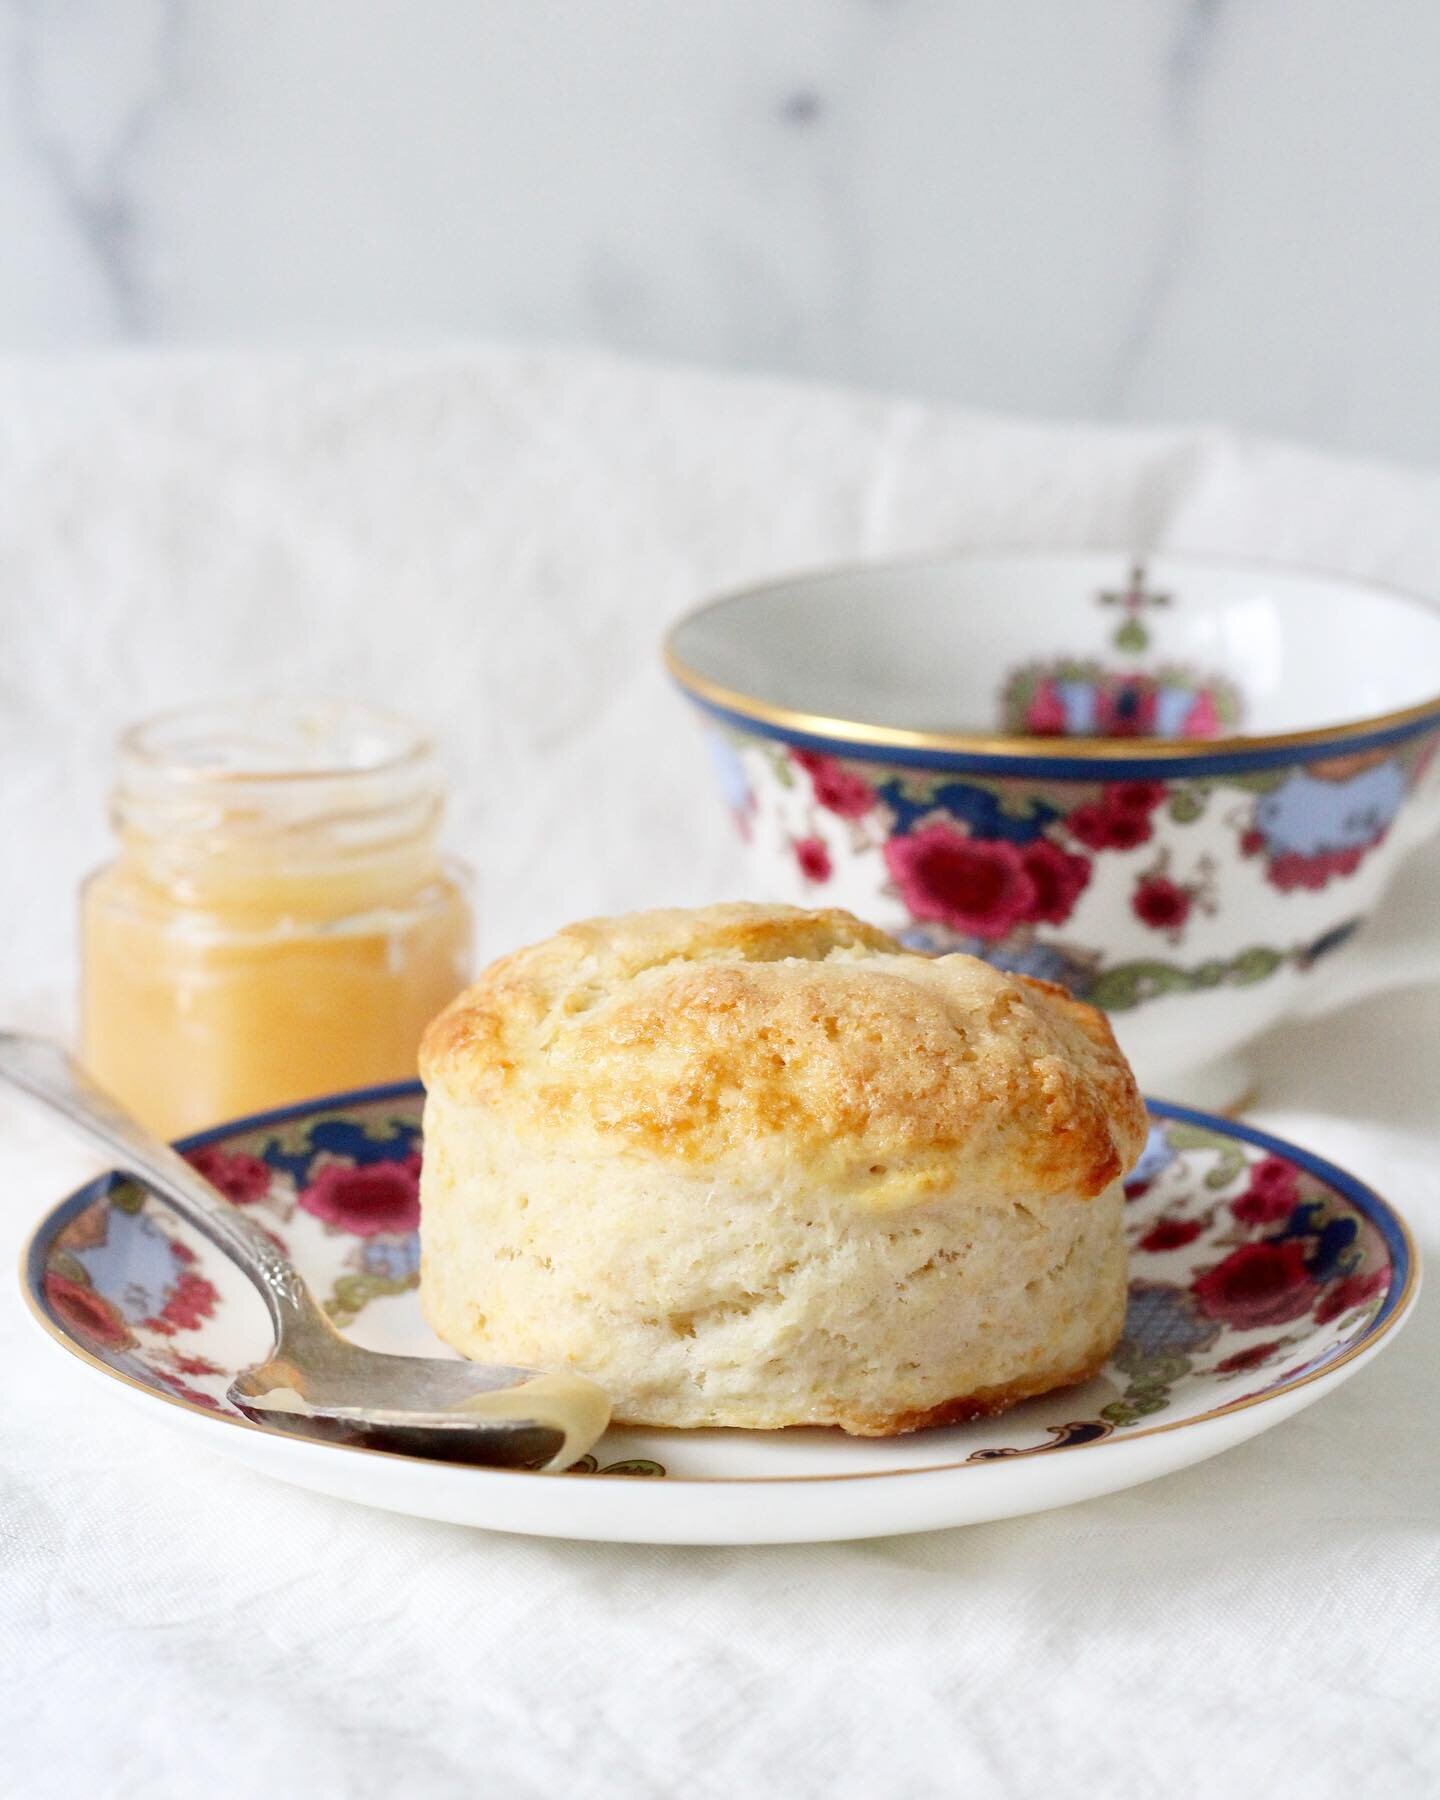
279 922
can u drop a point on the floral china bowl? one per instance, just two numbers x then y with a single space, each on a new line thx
1178 787
1260 1278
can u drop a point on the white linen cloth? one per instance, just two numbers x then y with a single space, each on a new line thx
492 541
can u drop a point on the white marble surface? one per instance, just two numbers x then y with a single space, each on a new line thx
1113 209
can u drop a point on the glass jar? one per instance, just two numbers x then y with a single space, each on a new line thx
279 922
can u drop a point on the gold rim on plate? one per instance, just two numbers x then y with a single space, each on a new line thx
304 1445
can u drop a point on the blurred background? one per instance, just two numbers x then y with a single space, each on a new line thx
1099 209
440 352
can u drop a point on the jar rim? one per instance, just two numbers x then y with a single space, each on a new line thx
400 746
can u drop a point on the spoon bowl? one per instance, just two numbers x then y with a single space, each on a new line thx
415 1405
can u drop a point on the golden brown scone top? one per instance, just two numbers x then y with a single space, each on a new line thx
738 1030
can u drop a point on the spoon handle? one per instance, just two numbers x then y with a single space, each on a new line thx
44 1071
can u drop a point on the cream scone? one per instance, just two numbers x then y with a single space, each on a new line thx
756 1166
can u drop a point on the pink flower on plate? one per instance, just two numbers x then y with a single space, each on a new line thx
838 789
1258 1285
1273 1193
1247 1359
973 885
189 1303
1171 1234
87 1313
380 1196
193 1395
813 858
1352 1291
239 1177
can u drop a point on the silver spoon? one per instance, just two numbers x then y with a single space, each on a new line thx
317 1383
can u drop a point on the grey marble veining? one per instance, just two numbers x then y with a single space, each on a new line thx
86 84
1124 209
1186 71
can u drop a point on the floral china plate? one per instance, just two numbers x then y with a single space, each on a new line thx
1261 1277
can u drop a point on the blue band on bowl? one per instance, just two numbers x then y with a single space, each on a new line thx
1041 766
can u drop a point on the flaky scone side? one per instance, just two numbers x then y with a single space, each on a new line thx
760 1166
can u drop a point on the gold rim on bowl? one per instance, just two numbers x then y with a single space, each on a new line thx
766 713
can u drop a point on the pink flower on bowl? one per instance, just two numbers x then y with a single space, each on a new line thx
838 789
973 885
1045 715
1292 870
1140 797
1058 878
1125 708
813 858
371 1198
1160 903
1112 823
